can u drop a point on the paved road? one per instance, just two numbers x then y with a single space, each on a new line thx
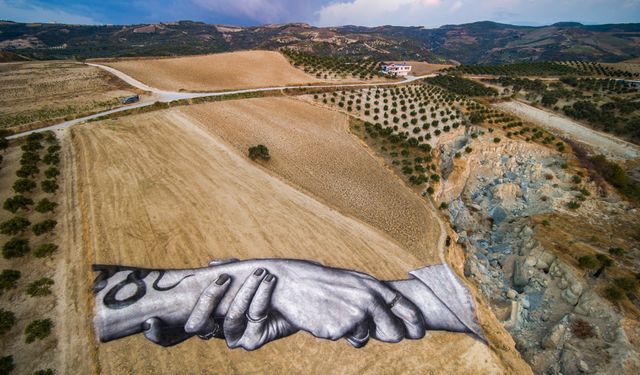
158 95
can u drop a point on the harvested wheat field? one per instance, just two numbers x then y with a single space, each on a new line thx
164 189
37 93
310 145
223 71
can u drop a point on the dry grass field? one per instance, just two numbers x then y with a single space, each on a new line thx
174 189
33 94
223 71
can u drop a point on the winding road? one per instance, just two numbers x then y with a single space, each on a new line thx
163 96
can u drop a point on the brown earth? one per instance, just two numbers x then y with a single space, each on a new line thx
222 71
167 189
38 92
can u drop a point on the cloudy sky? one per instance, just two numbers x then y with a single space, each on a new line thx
429 13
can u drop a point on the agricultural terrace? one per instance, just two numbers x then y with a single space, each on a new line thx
36 94
608 105
407 123
335 67
539 69
604 70
28 236
216 72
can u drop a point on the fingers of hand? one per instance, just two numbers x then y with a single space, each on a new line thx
235 321
256 332
207 303
359 337
411 317
388 327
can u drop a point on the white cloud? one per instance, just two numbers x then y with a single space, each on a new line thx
22 11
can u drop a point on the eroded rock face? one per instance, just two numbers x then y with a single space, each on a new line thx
492 193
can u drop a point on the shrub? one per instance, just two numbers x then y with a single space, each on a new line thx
546 223
588 262
45 372
27 170
29 158
38 330
468 149
8 279
617 251
628 284
496 140
444 205
17 202
430 190
45 250
40 287
604 260
44 226
573 205
6 364
613 293
4 143
51 159
45 205
582 329
52 172
23 185
259 151
576 179
49 186
14 225
7 320
15 247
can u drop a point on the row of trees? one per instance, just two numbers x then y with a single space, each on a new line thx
333 66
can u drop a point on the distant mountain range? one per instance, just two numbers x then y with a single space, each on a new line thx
473 43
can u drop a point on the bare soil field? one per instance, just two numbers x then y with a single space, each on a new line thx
33 94
419 68
309 145
165 189
223 71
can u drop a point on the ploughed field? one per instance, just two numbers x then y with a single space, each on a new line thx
174 188
33 93
222 71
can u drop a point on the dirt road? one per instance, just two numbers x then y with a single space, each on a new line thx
600 142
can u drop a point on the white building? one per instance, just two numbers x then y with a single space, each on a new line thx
396 69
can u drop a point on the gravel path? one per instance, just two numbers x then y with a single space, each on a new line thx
600 142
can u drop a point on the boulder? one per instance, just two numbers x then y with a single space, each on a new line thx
520 274
556 336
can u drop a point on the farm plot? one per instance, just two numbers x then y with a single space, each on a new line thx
313 149
29 239
160 190
224 71
33 94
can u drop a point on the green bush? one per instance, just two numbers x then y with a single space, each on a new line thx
49 186
588 262
27 170
496 140
29 158
613 293
38 330
16 203
9 279
14 225
44 226
40 287
45 250
444 206
24 185
7 320
573 205
45 205
52 172
259 151
15 247
628 284
6 364
617 251
4 143
52 159
45 372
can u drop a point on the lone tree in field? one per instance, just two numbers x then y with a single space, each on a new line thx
259 151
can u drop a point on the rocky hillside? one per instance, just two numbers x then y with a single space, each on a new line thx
480 42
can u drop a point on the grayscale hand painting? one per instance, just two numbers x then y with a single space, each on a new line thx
386 186
251 303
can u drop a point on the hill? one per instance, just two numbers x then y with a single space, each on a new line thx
479 42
